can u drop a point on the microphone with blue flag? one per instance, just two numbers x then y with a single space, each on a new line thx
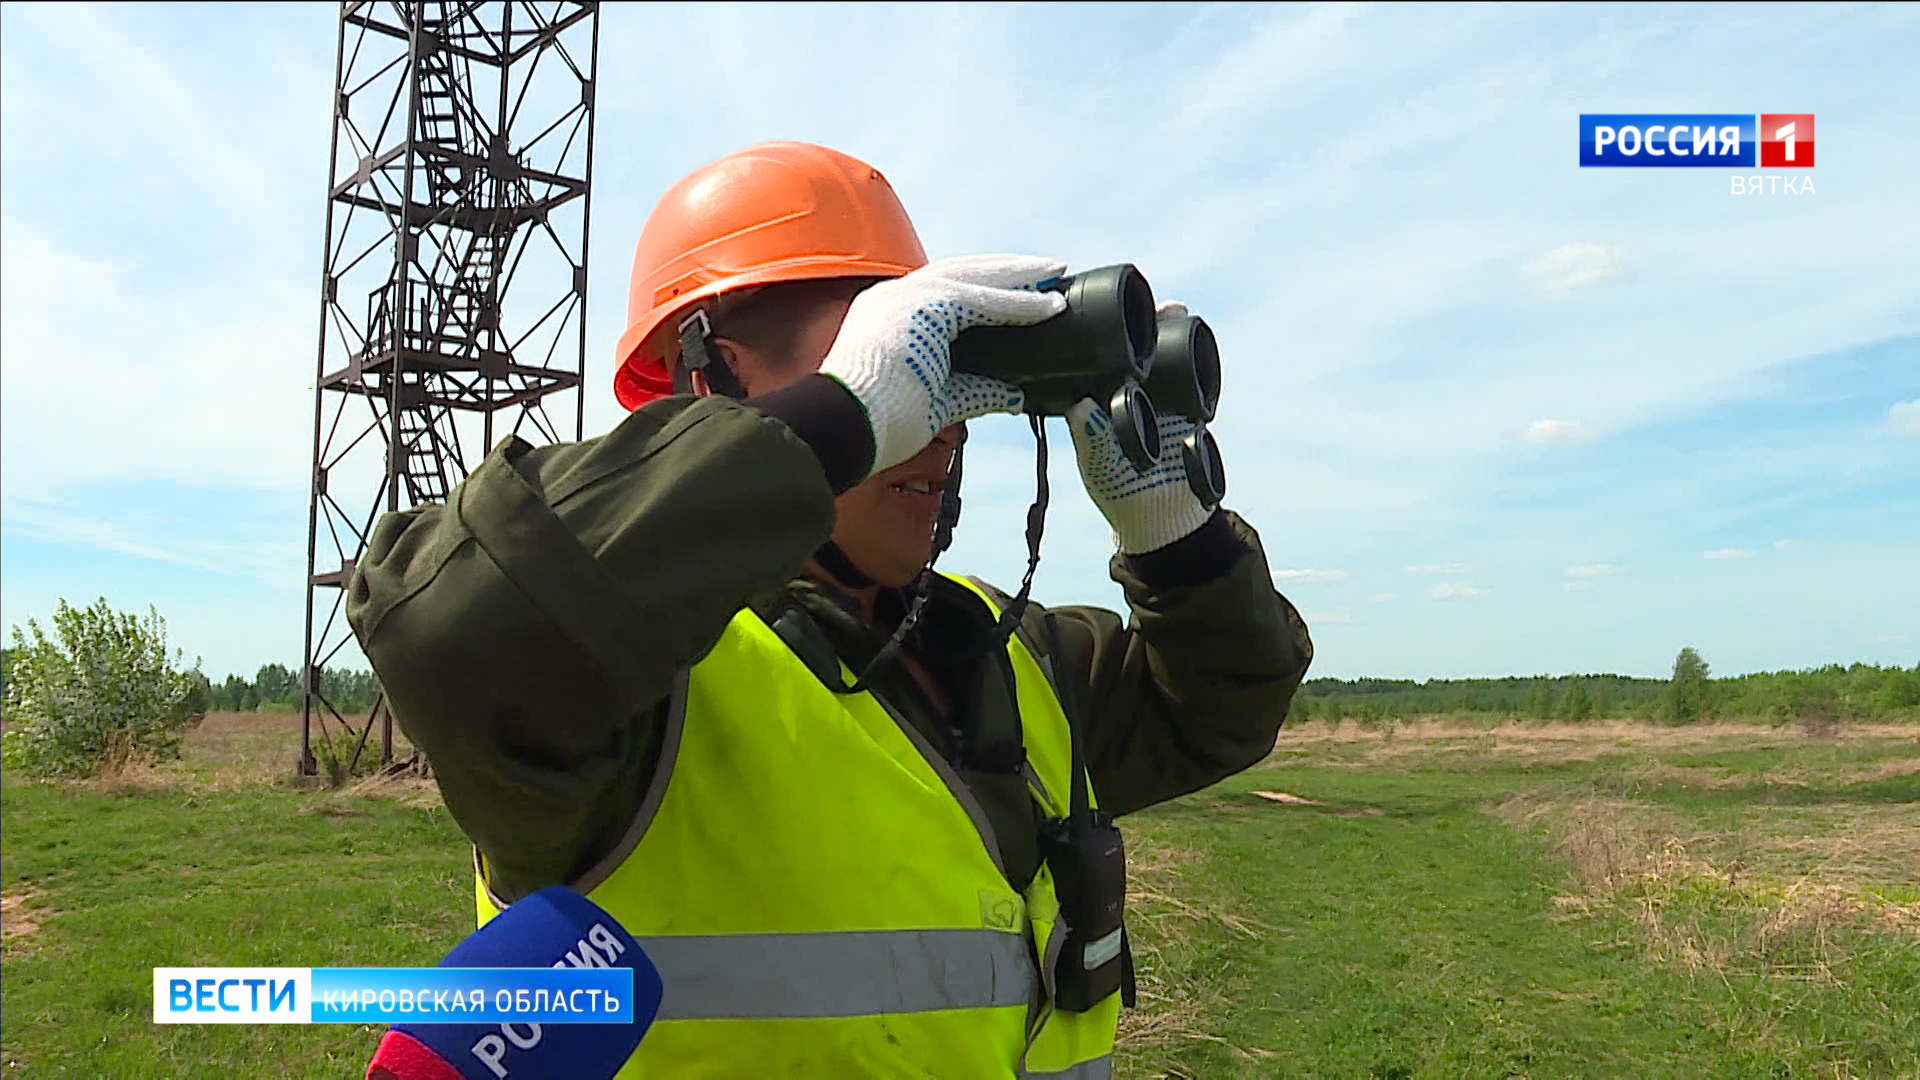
554 927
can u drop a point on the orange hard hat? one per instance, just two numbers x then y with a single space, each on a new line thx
780 211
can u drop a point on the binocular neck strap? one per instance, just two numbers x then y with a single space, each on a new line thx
1036 528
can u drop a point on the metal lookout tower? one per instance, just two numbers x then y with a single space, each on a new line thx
453 289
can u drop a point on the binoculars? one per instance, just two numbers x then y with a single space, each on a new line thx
1109 346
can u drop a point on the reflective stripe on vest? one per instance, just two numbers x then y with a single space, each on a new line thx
848 973
823 895
1100 1068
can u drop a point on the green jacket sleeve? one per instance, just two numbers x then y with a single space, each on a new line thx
527 632
1195 689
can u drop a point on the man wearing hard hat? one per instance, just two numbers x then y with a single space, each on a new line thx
697 669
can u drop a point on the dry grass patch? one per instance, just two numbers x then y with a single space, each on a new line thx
1656 773
1865 845
1558 742
19 916
233 750
1653 773
236 751
1750 903
134 778
1177 1000
409 789
1170 1007
1607 841
1882 770
1404 742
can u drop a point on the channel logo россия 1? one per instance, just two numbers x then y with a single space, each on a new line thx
1696 140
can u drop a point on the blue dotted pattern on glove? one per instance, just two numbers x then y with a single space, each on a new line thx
931 331
1109 475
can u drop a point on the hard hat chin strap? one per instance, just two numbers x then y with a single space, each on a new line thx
835 562
949 503
696 354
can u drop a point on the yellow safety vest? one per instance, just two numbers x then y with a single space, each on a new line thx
822 895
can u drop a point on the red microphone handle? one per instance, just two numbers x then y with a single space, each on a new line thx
403 1057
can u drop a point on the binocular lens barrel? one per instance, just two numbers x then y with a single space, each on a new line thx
1124 291
1206 472
1109 346
1185 378
1105 338
1135 425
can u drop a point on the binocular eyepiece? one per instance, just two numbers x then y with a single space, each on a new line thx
1108 345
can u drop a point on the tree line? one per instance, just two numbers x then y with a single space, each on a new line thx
1840 692
276 687
1834 692
273 688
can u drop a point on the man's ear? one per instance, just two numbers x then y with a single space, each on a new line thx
694 381
729 352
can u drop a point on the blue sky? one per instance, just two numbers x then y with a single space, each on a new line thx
1491 413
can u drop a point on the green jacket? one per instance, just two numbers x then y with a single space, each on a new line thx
527 633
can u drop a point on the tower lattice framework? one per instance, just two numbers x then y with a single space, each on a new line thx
453 295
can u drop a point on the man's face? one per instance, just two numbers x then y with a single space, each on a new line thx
884 524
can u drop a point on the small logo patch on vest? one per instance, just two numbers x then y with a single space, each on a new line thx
1001 911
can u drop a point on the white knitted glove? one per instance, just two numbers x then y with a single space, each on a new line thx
1147 511
892 349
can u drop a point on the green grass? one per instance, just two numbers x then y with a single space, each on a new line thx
1408 932
1440 914
124 882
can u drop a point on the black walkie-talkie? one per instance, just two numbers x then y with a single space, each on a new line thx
1089 864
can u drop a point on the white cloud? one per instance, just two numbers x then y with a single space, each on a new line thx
1726 553
162 113
1890 639
1359 421
1458 592
1577 586
1782 545
1573 266
278 566
1309 577
1437 568
163 370
1558 432
1904 419
1337 617
1595 570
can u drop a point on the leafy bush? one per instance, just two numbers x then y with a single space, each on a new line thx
104 695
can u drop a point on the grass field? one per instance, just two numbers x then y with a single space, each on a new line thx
1603 900
1539 901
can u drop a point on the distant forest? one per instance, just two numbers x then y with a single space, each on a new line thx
277 687
274 688
1858 691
